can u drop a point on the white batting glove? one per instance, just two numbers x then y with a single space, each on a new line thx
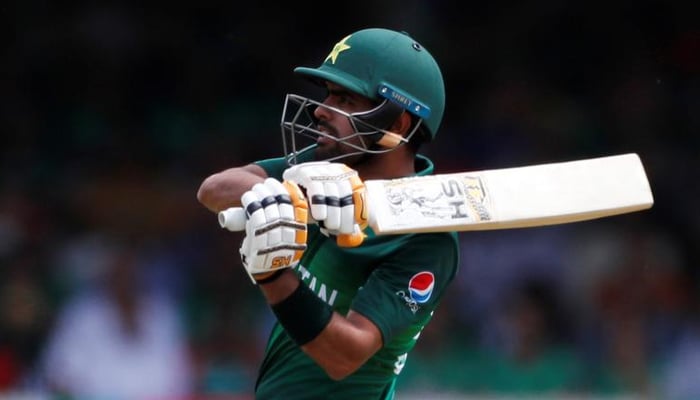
337 198
276 228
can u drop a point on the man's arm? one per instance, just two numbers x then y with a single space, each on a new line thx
224 189
346 342
275 239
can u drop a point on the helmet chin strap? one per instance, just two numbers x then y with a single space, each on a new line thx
382 117
390 140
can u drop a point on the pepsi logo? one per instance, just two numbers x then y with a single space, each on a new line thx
421 286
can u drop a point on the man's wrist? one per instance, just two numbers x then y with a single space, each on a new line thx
302 314
264 279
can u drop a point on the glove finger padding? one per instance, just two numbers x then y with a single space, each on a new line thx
337 196
331 197
276 227
346 208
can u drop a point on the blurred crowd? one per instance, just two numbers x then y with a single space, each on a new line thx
116 283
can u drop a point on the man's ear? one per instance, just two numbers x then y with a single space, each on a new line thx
402 124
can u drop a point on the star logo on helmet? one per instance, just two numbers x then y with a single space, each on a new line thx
337 49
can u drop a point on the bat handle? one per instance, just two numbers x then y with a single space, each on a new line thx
233 219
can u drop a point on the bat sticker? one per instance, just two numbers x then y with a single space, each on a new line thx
462 197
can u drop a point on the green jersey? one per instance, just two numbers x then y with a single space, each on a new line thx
396 281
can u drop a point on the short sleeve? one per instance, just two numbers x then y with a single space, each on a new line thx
406 287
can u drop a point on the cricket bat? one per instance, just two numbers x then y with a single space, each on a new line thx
519 197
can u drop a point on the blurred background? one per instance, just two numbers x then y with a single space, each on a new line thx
115 280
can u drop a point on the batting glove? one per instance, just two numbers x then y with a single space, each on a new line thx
337 198
275 229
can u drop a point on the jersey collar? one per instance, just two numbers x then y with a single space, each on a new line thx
423 165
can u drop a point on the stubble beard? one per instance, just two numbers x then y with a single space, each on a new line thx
337 151
334 149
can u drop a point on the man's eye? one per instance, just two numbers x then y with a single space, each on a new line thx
344 100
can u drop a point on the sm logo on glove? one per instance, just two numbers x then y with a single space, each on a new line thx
281 262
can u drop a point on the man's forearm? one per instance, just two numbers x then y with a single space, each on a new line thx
224 189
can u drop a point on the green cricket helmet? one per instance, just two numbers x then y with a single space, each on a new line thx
384 64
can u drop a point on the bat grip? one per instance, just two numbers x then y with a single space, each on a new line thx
233 219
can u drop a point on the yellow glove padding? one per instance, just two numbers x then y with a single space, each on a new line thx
337 198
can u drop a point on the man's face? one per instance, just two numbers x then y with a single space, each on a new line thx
338 125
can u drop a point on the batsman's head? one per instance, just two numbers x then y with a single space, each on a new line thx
393 70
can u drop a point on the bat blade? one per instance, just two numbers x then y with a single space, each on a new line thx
518 197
